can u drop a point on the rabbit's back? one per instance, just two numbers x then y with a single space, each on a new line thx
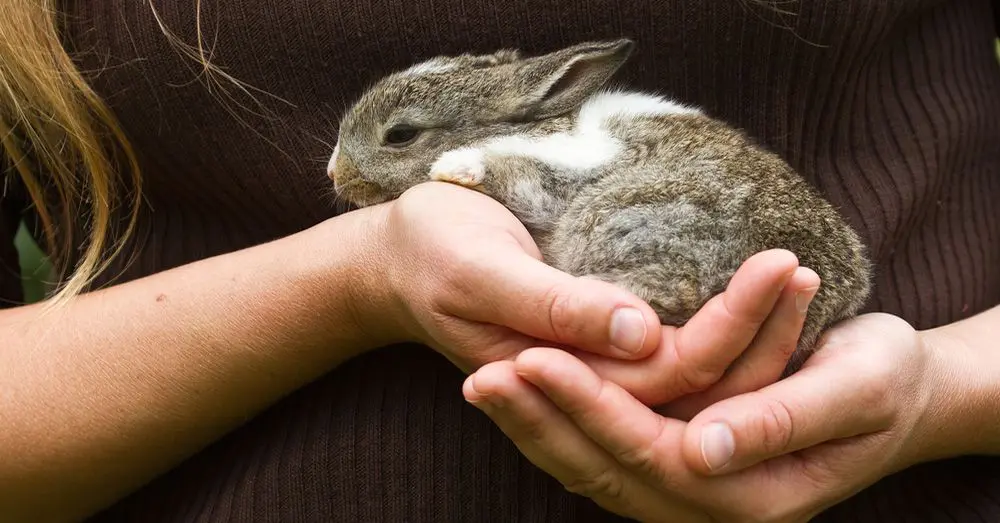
685 202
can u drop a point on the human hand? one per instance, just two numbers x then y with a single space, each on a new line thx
465 278
859 409
739 341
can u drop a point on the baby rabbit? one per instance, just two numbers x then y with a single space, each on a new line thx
629 188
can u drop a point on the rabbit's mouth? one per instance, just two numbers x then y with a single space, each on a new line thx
359 192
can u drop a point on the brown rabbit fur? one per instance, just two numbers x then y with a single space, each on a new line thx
630 188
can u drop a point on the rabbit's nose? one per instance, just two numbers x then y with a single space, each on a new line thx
332 165
342 169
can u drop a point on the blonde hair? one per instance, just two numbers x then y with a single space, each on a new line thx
65 145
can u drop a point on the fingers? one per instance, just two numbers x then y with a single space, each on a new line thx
515 290
694 357
635 436
816 405
581 415
555 444
767 356
724 327
534 424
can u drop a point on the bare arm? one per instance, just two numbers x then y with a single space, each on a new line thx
101 395
969 354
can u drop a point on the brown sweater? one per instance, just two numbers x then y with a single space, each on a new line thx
890 107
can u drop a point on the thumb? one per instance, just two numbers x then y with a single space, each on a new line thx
815 405
526 295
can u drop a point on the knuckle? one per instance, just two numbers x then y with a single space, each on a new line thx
820 474
604 483
561 306
533 430
784 349
582 410
696 378
775 427
640 459
748 316
644 461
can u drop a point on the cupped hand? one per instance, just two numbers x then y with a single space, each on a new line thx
455 270
466 278
739 341
857 411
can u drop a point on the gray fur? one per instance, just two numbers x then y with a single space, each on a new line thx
682 204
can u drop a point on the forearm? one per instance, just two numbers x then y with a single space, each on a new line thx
965 401
117 386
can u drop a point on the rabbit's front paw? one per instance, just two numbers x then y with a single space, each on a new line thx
460 166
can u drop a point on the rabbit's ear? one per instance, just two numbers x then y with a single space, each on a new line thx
560 81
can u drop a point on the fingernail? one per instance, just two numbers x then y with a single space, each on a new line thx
717 445
804 298
628 330
480 400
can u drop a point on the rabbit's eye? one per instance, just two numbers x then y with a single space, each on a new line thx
401 135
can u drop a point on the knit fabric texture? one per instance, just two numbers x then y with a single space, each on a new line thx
890 108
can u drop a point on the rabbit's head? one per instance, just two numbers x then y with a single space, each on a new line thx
390 137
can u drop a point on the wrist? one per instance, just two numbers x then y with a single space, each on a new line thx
964 395
345 258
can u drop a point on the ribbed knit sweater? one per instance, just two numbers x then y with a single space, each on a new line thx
891 108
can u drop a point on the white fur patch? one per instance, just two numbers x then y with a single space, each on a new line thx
429 67
581 150
460 166
605 106
587 147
